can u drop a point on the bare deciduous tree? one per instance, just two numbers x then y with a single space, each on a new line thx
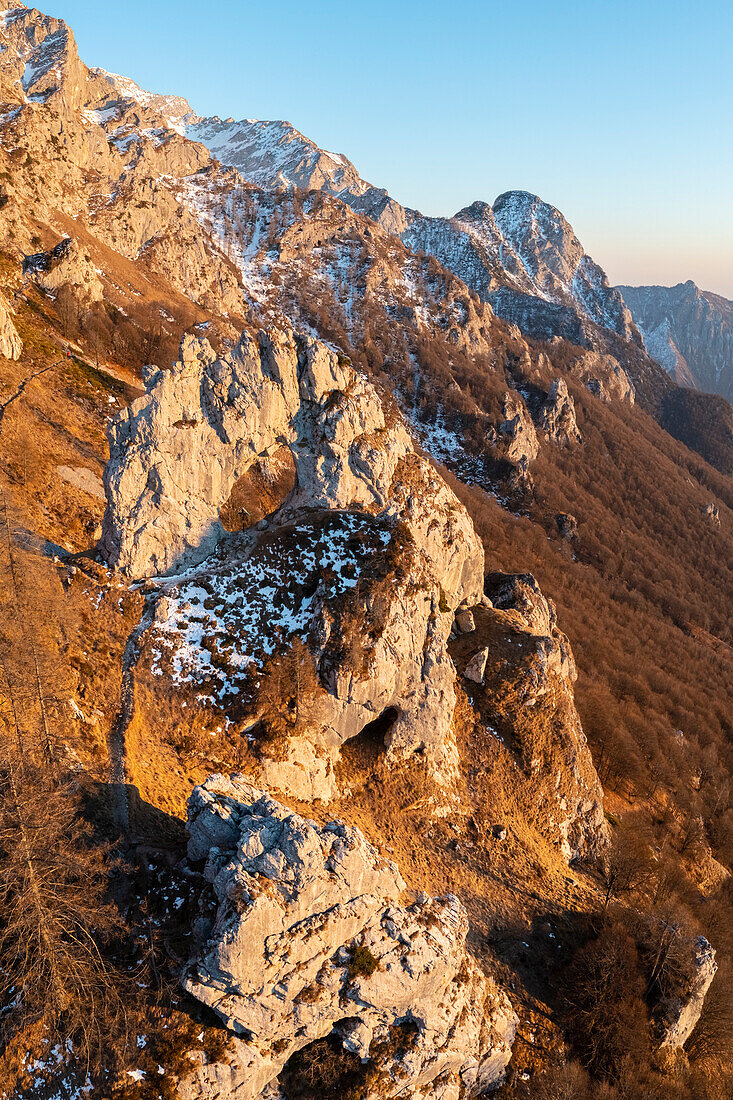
53 882
287 688
628 863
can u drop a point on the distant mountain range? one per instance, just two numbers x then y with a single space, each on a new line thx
520 255
689 331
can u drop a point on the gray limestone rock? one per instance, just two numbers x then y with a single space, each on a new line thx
476 666
557 417
67 264
310 936
683 1011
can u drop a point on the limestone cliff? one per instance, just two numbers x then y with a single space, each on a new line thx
366 559
689 331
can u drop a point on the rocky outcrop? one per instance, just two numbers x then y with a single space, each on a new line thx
176 453
526 691
539 319
682 1012
557 417
604 377
368 557
514 439
712 513
67 264
11 345
358 590
307 937
567 525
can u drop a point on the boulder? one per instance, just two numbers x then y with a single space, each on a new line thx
476 666
309 938
465 621
81 477
712 513
683 1010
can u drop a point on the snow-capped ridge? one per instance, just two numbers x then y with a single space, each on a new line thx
273 154
177 111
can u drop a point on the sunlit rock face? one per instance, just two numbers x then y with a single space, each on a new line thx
368 557
307 936
683 1010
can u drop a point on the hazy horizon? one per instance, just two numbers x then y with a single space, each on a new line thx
615 117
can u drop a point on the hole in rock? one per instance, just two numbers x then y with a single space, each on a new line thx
363 750
259 492
323 1070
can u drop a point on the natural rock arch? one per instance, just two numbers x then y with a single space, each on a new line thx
177 452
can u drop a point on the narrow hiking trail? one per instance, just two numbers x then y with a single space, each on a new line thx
19 392
117 737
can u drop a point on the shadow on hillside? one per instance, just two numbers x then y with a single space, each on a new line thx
146 827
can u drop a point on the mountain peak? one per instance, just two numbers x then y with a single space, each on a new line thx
176 110
273 154
689 331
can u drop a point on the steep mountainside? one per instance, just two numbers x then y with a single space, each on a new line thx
520 256
366 660
689 331
522 245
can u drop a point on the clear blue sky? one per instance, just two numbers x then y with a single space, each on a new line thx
617 111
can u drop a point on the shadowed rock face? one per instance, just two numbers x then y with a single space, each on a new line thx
308 935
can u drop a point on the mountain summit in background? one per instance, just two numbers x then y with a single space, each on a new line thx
366 647
522 256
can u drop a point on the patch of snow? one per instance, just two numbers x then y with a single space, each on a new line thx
221 625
